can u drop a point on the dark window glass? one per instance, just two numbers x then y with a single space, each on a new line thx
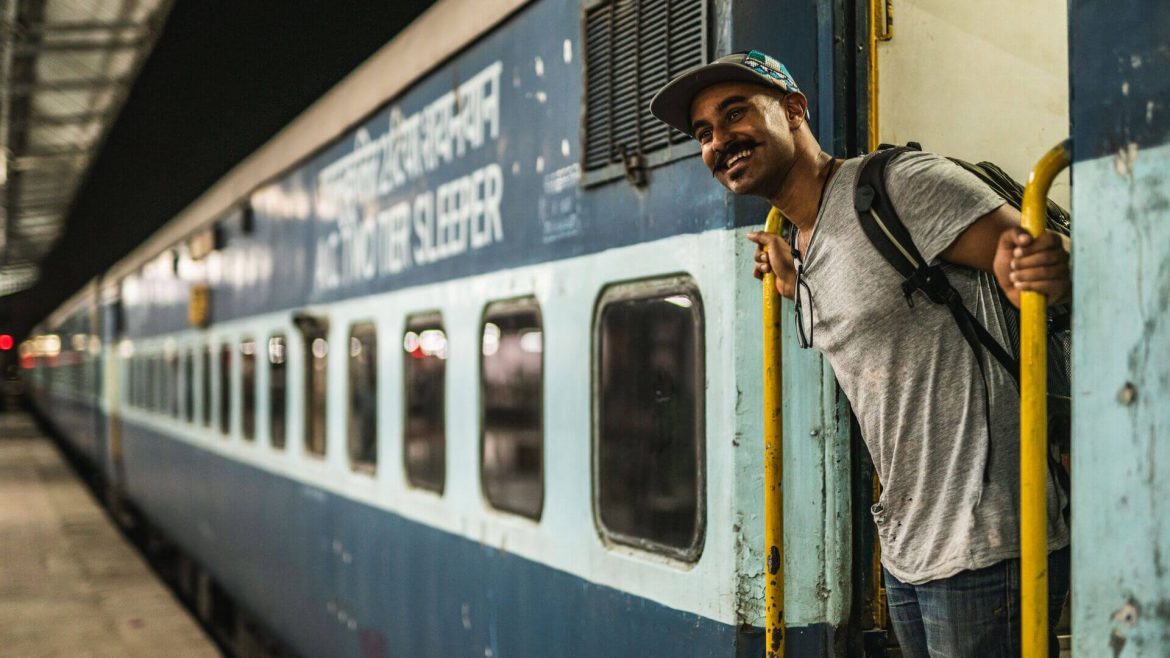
314 331
512 380
136 381
173 381
205 380
148 381
248 388
425 344
131 387
160 382
363 397
650 419
189 385
225 388
157 383
277 355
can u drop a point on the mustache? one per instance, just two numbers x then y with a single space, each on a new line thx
732 148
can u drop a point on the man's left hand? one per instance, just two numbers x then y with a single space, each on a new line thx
1040 264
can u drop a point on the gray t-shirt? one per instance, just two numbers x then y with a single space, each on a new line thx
914 382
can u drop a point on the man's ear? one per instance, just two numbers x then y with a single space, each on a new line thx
795 107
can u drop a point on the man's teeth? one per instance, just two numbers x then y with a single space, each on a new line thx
738 156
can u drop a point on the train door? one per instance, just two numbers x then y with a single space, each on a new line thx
976 81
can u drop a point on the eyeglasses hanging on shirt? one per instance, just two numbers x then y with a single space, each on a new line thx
803 304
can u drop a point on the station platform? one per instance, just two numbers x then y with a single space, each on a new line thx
70 584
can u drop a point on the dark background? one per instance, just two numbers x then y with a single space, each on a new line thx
224 77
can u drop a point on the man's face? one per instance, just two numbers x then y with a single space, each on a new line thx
746 138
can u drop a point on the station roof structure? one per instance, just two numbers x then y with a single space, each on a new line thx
66 68
116 114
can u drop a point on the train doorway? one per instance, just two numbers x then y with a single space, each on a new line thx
975 81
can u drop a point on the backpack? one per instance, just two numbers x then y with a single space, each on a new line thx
885 230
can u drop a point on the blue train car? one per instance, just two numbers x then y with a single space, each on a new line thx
66 384
466 361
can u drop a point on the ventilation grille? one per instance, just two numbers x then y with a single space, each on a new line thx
632 48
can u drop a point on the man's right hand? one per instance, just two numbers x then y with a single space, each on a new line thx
773 255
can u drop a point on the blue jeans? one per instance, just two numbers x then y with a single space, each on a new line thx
973 614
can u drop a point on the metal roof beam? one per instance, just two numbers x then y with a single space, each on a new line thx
38 119
73 27
79 45
77 84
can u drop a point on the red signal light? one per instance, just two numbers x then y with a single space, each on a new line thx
5 342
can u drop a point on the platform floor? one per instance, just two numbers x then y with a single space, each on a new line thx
70 584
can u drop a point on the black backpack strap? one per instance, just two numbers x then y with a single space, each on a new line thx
885 230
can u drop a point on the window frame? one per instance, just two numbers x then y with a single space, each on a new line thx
206 356
224 402
248 393
655 288
362 467
410 323
502 307
310 327
284 367
189 384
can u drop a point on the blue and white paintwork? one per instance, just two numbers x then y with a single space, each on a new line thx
368 228
343 563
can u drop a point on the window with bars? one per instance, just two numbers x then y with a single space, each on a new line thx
632 48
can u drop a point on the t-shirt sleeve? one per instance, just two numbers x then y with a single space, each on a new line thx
936 199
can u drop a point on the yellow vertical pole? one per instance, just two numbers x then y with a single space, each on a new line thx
872 80
773 462
873 139
1034 423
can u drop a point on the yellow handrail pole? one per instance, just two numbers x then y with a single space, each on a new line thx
773 462
1034 422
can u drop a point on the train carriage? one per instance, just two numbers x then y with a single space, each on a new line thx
466 362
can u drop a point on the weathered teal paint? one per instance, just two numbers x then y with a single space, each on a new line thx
817 538
1120 83
817 528
1121 413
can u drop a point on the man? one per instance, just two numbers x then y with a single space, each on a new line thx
948 517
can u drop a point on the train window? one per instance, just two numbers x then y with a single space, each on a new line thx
173 380
363 397
425 365
248 388
164 383
649 422
512 407
132 380
139 381
189 385
620 80
157 384
277 354
151 392
225 388
131 387
205 381
314 332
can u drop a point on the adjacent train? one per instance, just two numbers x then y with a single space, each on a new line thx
466 361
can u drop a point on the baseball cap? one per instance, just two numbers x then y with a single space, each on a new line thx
672 103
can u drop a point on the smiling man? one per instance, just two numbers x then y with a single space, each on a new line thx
942 427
